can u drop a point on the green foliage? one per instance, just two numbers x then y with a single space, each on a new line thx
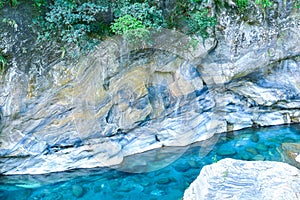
150 16
40 3
297 4
3 64
264 3
100 28
132 28
2 3
242 5
195 16
10 22
214 159
201 24
134 20
80 22
182 9
71 22
193 43
14 3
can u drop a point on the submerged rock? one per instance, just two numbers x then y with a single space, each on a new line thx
165 180
291 153
261 147
183 167
259 158
226 150
77 191
245 180
252 150
254 137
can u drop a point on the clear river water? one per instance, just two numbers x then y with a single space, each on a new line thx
161 174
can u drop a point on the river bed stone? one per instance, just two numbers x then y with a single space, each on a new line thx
226 150
261 147
77 191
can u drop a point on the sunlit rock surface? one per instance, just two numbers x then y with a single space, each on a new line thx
245 180
121 100
102 109
252 40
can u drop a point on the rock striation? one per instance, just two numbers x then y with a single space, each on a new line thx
122 100
243 180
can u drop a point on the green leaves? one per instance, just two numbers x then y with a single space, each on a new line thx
126 23
150 16
80 22
3 64
297 4
242 5
132 28
200 23
40 3
264 3
70 22
14 3
134 21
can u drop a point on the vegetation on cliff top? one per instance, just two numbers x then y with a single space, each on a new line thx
84 23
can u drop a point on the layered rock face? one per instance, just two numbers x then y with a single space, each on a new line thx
123 99
236 179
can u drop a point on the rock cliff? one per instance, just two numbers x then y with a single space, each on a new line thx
122 99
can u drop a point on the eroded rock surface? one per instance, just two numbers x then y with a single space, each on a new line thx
122 100
243 180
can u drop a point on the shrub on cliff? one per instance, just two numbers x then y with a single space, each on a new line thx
201 24
3 64
133 29
134 20
150 15
81 22
70 22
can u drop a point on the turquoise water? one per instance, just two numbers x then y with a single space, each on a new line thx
167 183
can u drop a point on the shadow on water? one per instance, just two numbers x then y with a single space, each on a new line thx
162 181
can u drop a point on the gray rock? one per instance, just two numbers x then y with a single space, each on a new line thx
246 156
77 191
254 137
165 180
252 150
291 153
245 180
250 46
261 147
226 150
259 158
182 167
193 163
